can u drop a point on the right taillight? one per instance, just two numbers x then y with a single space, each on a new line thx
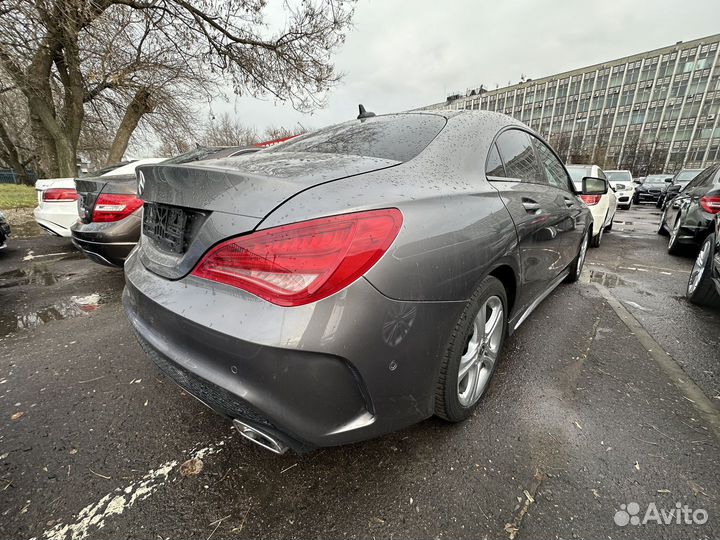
591 200
110 207
711 204
297 264
60 195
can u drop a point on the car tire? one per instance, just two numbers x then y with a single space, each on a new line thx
701 290
577 265
636 200
674 246
457 394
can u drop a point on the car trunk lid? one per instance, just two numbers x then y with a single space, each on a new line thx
89 189
189 208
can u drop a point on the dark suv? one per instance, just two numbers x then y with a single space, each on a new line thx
689 218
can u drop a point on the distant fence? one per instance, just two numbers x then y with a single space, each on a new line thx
8 176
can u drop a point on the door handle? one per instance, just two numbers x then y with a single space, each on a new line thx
531 206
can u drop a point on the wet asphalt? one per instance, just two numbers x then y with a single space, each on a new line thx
580 419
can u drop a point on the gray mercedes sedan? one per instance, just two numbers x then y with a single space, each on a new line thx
354 280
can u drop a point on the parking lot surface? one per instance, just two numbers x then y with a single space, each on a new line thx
608 394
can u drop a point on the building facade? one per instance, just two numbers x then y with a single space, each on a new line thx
653 112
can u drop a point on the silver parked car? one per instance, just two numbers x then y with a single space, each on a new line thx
354 280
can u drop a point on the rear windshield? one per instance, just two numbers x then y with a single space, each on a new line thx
399 138
619 176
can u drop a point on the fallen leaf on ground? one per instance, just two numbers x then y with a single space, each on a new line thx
191 467
637 465
17 416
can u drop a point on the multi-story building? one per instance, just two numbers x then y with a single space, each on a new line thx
657 111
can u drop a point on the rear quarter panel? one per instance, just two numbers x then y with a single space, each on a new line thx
455 227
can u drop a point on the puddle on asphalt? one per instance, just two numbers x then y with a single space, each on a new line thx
606 279
37 274
75 306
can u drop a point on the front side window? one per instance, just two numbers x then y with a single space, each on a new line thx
554 170
518 155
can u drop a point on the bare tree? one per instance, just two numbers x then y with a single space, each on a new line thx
44 52
16 145
227 131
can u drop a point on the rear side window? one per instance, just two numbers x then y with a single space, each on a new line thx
555 172
519 157
494 165
396 137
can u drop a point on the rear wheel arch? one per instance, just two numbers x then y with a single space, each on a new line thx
508 277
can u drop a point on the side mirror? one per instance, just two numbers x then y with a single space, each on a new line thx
594 186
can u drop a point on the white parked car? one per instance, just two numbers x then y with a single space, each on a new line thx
622 182
602 207
57 199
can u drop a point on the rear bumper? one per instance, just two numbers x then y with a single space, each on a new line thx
107 243
56 217
350 367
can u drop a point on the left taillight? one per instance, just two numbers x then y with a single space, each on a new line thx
591 200
297 264
109 207
60 195
711 204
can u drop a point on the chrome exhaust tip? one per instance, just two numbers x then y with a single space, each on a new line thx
268 442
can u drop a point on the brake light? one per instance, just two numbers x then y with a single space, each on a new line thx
297 264
591 200
60 195
114 207
710 204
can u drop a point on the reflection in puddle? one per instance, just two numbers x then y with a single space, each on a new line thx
75 306
609 280
37 274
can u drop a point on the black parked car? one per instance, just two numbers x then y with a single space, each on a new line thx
4 231
110 209
652 188
689 218
357 279
704 283
679 181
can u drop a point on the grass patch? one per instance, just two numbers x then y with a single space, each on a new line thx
15 196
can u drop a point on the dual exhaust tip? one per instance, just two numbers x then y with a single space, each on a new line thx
267 441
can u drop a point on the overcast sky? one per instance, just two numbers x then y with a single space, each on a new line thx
409 53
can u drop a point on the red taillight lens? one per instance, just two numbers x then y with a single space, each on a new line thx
60 195
304 262
114 207
591 200
710 204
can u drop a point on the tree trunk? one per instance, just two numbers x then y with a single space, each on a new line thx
12 156
140 105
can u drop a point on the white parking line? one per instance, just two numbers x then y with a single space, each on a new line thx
93 516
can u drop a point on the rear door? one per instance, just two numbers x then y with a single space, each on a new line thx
514 170
567 203
691 194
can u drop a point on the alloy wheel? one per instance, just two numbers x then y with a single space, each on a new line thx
699 268
478 361
583 252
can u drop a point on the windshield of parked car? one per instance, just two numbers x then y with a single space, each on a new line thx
619 176
687 175
655 180
577 173
395 137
